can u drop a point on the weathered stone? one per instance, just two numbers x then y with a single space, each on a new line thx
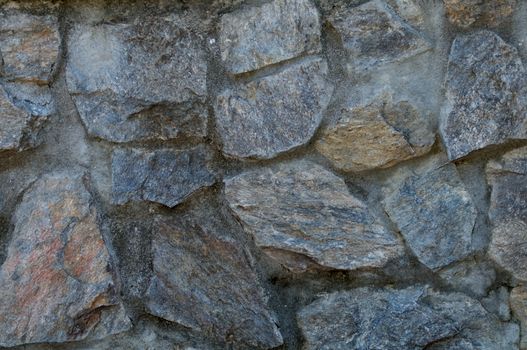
58 279
203 280
254 37
139 81
497 302
490 13
374 35
412 318
377 134
303 216
471 277
486 94
434 213
410 10
164 176
508 211
518 303
274 114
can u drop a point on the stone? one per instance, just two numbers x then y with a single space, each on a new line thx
434 213
304 217
486 94
58 281
139 81
163 176
273 114
497 302
490 13
518 304
410 10
471 277
203 280
374 35
254 37
507 177
377 134
414 318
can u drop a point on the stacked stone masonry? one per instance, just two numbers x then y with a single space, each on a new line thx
263 174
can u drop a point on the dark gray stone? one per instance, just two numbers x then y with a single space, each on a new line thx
203 280
508 211
138 81
304 217
257 36
470 277
486 94
412 319
58 278
274 114
164 176
374 35
434 213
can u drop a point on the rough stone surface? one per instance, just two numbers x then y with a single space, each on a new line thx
58 280
377 134
255 37
302 215
465 13
274 114
203 280
434 213
471 277
518 303
413 318
374 35
486 94
139 81
508 211
164 176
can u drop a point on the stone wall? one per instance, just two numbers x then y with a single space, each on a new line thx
263 174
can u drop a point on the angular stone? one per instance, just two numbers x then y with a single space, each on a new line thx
377 134
58 278
486 94
164 176
410 10
374 35
144 80
508 211
257 36
434 213
490 13
274 114
203 280
518 303
304 217
412 319
471 277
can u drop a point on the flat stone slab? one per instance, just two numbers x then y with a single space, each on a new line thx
377 134
254 37
304 217
58 278
163 176
273 114
486 94
434 212
203 280
144 80
507 177
414 318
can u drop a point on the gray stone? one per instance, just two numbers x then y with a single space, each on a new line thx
203 280
497 302
58 278
508 211
274 114
304 217
486 94
410 10
164 176
434 213
489 13
373 35
471 277
376 134
518 304
254 37
144 80
412 319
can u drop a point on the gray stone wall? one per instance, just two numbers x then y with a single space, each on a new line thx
263 174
